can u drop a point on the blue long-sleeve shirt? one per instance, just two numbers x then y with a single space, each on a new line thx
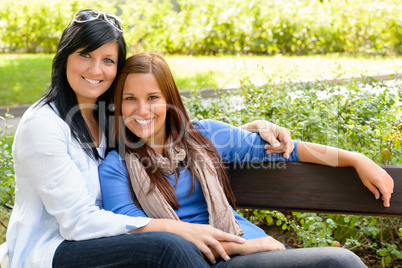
233 145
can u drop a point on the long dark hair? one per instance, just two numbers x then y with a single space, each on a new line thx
90 36
179 128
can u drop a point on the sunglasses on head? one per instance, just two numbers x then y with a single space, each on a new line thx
86 15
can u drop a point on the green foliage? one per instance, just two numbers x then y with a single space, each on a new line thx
392 142
211 27
32 27
349 116
36 26
263 27
7 184
363 117
351 231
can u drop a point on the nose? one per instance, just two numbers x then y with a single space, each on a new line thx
95 68
143 109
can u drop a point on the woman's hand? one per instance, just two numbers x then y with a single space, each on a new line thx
376 179
252 246
262 244
207 238
279 138
276 150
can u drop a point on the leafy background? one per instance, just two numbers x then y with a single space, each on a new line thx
296 27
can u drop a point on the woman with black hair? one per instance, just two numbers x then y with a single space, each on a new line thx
58 217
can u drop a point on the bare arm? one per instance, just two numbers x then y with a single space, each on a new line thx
373 176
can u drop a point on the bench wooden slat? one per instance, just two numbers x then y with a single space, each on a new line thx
310 187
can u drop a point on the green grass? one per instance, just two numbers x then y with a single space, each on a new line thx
24 78
228 70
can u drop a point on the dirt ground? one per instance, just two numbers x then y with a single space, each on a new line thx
368 256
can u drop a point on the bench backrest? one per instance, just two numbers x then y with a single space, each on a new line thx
310 187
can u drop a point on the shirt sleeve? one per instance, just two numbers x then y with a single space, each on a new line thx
235 144
115 187
40 151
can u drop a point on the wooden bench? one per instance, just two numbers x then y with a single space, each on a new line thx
289 186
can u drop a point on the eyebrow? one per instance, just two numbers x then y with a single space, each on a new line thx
106 56
152 93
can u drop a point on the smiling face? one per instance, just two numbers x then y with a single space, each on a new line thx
91 74
144 109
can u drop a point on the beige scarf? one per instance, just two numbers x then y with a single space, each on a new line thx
155 205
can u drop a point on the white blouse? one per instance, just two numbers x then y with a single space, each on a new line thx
57 193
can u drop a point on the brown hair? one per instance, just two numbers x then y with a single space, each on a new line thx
179 128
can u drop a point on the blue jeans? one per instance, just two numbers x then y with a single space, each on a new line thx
153 249
304 257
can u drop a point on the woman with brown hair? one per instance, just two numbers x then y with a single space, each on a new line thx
170 169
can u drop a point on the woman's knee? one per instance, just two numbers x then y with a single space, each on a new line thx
340 257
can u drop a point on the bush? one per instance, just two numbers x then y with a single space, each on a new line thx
7 185
212 27
264 27
36 26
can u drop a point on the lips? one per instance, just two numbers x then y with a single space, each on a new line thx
94 82
143 122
